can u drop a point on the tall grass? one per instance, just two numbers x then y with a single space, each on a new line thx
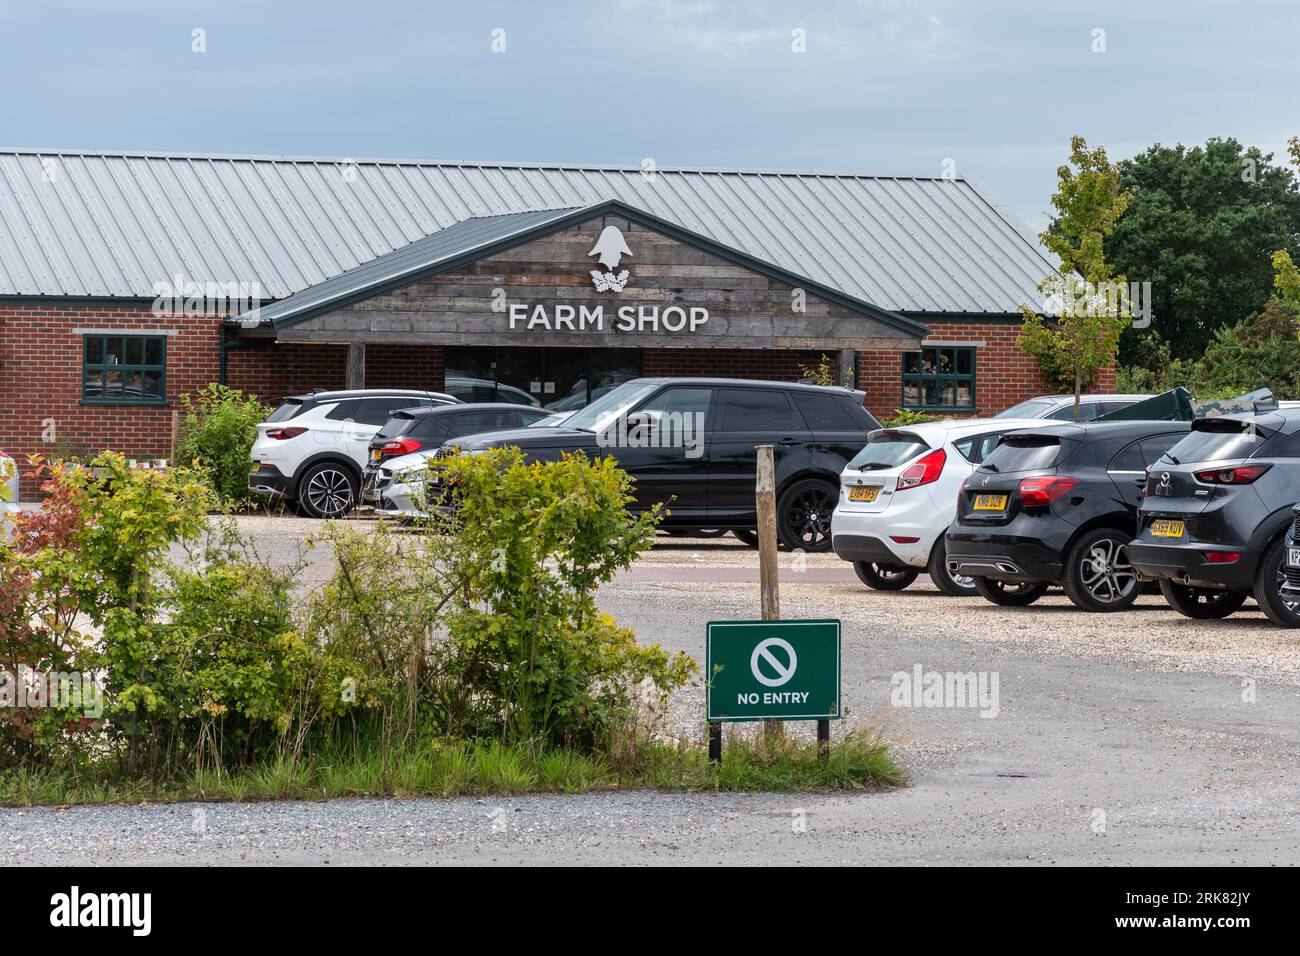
441 768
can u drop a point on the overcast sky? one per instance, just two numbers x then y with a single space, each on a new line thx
882 86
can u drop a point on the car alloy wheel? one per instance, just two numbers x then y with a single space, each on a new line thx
328 492
1098 575
1107 574
804 515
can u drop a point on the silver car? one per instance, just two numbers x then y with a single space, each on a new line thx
1061 407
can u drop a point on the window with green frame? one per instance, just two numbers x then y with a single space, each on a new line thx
130 369
939 378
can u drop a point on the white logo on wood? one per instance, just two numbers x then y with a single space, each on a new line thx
611 247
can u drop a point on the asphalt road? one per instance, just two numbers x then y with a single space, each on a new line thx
1140 738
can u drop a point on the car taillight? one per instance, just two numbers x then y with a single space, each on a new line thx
1042 491
280 434
1242 475
1146 480
923 471
401 446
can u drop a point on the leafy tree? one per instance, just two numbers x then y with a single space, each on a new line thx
1201 227
1084 335
1286 276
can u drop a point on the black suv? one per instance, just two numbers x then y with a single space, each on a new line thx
690 444
1216 512
1057 505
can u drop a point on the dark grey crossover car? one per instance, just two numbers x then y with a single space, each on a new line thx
1216 513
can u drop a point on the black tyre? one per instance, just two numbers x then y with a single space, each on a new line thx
1098 576
1277 597
746 537
954 585
1204 604
1009 593
885 577
327 490
803 515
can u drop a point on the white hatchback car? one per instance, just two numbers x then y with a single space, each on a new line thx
899 494
313 448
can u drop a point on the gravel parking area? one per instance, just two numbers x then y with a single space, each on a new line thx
1140 737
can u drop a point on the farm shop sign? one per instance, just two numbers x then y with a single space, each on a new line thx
596 318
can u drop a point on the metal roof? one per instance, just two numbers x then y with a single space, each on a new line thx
81 223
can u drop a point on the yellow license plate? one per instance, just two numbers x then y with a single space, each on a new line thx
990 502
1166 528
864 493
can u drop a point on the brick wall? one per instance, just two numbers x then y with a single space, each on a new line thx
273 371
1004 375
404 366
41 410
767 364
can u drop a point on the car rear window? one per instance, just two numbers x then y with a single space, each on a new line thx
1217 441
1032 408
886 451
828 413
287 411
1024 453
396 426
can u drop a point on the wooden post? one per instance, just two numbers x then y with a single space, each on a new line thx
769 581
848 368
356 374
765 502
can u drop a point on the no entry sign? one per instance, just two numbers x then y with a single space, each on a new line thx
773 670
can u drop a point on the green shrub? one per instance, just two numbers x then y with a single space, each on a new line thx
528 654
905 416
217 431
1262 351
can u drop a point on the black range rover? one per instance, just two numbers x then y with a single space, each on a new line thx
690 443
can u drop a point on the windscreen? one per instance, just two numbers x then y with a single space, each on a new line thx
886 451
1024 453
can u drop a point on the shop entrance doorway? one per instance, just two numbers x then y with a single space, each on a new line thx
559 379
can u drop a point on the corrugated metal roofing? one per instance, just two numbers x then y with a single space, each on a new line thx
445 244
114 224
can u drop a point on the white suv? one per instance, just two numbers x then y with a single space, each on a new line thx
899 494
313 448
